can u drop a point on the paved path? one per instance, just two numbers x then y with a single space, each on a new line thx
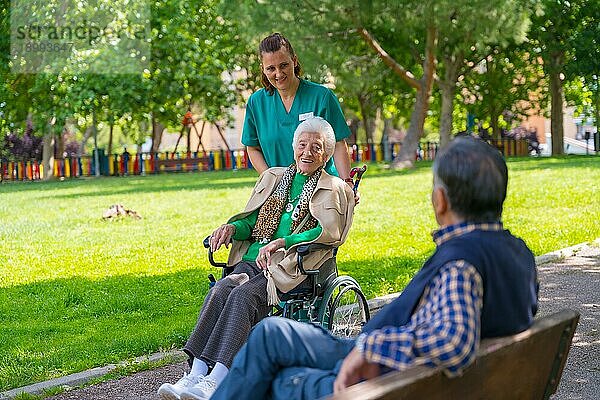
574 282
569 279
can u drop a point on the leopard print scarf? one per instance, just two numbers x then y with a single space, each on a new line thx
271 211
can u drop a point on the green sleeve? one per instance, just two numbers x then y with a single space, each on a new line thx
306 236
244 226
249 132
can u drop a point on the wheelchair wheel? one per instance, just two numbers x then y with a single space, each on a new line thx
344 309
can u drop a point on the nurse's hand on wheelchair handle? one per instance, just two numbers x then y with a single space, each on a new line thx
264 254
221 236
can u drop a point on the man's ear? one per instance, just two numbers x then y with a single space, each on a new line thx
439 201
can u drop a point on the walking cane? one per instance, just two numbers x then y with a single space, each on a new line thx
359 173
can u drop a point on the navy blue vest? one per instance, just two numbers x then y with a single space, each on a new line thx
507 268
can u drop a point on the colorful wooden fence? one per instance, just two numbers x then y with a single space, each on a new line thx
428 150
154 163
25 170
216 160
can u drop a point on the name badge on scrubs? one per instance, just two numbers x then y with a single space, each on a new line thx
302 117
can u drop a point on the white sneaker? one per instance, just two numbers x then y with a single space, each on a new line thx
203 390
169 391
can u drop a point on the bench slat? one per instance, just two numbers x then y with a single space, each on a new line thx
527 365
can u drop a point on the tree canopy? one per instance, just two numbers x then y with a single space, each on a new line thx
414 64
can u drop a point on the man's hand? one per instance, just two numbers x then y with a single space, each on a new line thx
354 369
221 236
264 254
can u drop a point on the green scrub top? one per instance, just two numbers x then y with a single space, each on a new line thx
267 125
244 226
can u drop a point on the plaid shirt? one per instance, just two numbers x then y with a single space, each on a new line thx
444 330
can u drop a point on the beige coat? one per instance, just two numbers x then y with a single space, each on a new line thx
332 204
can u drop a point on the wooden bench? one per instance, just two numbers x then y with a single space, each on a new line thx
183 164
524 366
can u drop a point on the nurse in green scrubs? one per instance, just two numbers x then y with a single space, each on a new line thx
274 112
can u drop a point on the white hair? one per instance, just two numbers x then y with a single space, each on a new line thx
320 126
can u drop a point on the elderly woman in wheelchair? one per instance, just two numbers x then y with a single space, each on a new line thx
289 207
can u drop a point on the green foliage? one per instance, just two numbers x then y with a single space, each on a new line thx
192 46
189 46
510 81
554 26
78 292
472 37
585 64
192 43
331 52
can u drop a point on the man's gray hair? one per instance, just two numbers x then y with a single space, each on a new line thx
321 126
474 176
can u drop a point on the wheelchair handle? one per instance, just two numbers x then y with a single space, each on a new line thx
303 250
206 243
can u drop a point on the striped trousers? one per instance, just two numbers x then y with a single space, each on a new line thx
230 310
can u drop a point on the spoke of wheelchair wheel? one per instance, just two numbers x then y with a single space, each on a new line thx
349 314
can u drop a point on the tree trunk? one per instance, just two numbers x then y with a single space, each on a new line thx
448 89
60 145
189 139
494 107
446 114
597 116
48 156
96 155
494 116
364 110
157 131
353 130
408 150
86 136
556 105
110 139
388 128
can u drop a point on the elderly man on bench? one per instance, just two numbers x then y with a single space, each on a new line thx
481 282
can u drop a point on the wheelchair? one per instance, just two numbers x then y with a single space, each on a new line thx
336 302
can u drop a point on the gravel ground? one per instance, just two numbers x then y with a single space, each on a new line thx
571 282
140 386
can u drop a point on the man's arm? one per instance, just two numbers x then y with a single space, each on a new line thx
257 158
444 331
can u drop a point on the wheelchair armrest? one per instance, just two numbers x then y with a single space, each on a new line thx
206 243
304 250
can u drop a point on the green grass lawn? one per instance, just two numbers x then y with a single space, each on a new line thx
78 292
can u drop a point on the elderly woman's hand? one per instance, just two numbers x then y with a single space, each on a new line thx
264 254
221 236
